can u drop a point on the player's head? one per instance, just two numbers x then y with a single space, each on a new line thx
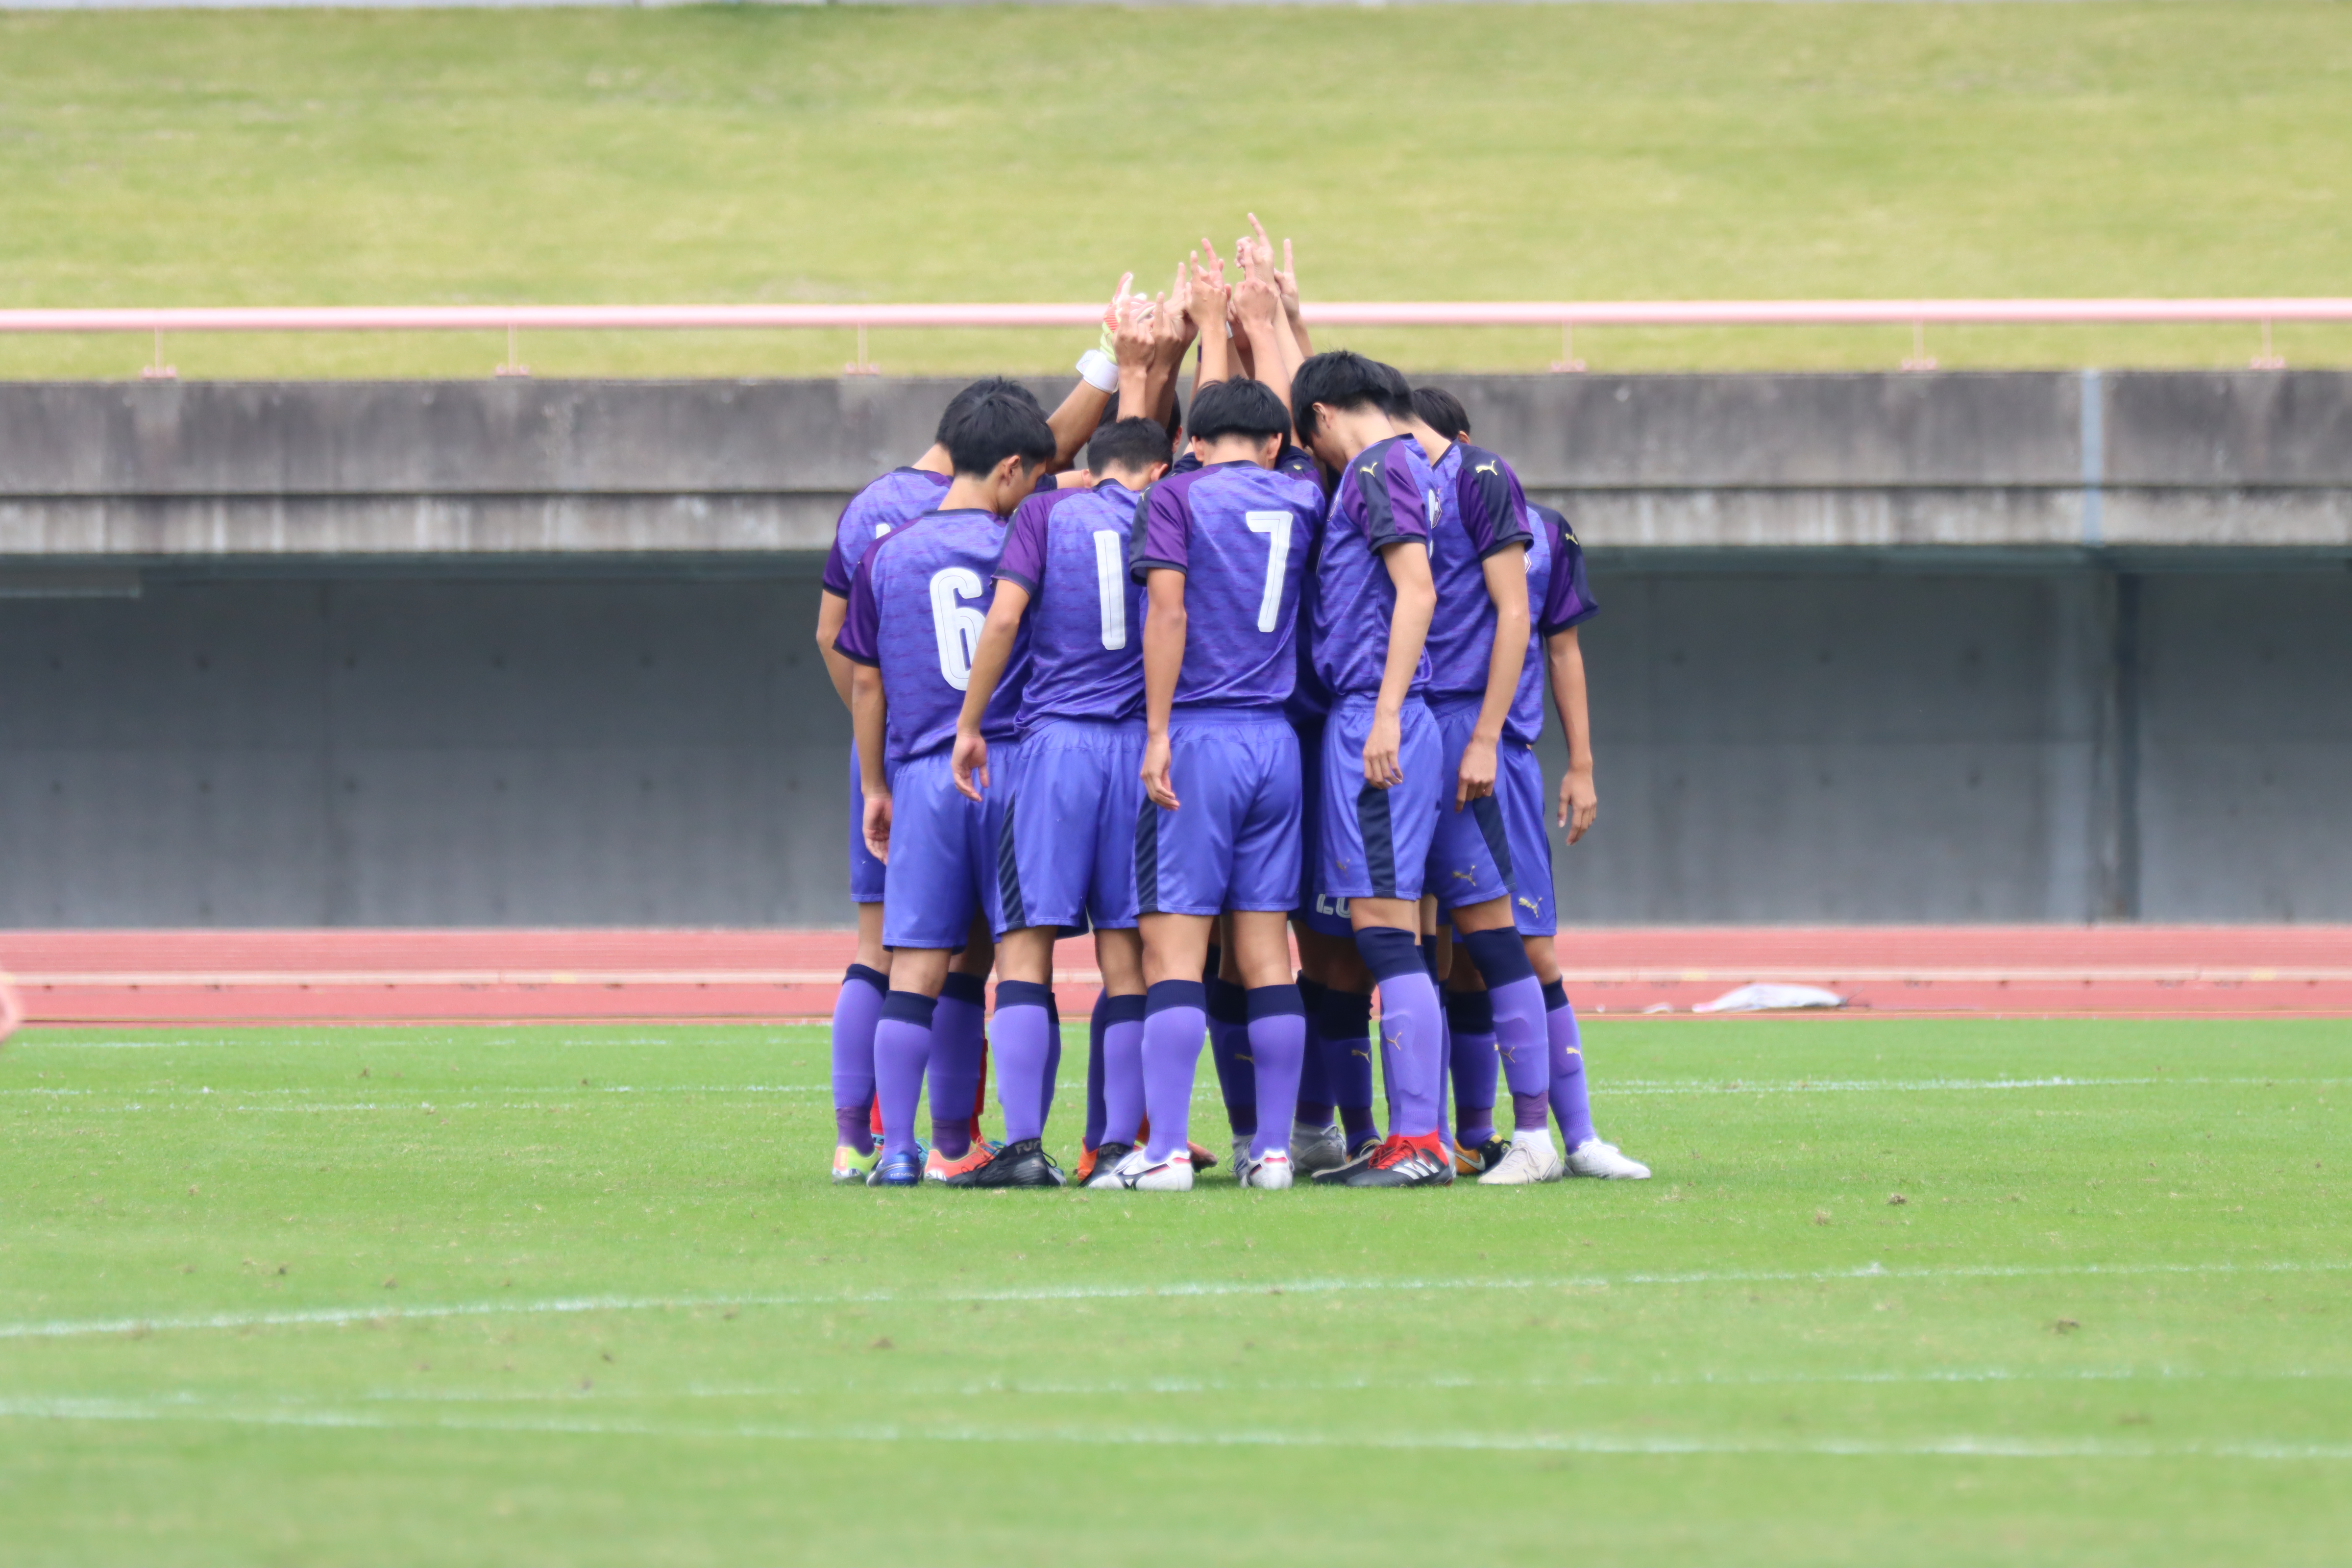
1399 390
999 443
1239 420
1442 412
1132 452
983 387
1340 388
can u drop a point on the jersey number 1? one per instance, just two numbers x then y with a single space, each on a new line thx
956 623
1110 585
1275 526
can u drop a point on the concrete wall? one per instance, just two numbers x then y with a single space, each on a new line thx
225 698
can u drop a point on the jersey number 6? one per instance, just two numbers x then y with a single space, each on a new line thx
956 623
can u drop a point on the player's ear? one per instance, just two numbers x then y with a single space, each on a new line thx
1154 474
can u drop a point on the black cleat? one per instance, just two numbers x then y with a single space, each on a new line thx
1101 1161
1021 1165
1477 1160
1356 1158
1401 1162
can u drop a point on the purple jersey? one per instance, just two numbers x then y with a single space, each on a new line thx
894 500
1481 512
1240 535
916 607
1295 461
1385 495
1068 548
1558 599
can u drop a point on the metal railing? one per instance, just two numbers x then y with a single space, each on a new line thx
1566 316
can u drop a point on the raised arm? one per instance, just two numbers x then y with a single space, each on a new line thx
1074 421
1285 342
1260 309
1208 313
1172 332
1417 600
997 634
1286 279
1579 803
1506 586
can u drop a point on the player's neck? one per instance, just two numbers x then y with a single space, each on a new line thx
1433 445
1357 429
971 492
936 461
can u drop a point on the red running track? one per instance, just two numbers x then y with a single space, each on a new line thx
189 977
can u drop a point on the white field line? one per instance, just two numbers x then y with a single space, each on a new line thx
74 1328
1950 1446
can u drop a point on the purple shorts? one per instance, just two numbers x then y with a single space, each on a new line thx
1233 844
1065 844
942 868
1519 790
1313 911
1470 857
1374 843
864 871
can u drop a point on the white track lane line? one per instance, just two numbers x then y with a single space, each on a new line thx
1947 1446
76 1328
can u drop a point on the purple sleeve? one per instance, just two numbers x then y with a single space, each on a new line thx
1567 601
860 641
1490 505
1023 559
1163 532
836 570
1393 502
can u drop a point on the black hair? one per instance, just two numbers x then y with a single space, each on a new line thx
1238 407
979 389
1136 443
997 427
1339 379
1399 391
1442 412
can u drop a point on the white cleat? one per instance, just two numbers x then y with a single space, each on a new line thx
1271 1174
1524 1165
1142 1173
1594 1158
1314 1148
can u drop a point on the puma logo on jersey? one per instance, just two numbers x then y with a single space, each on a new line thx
1495 468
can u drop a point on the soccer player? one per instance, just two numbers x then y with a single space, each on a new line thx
892 501
917 605
1220 551
1382 762
1065 848
1556 583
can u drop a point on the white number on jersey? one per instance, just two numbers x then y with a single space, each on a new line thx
1110 584
956 623
1276 525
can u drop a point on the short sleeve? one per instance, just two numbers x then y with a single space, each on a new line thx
1395 506
1490 503
1161 536
837 564
1568 602
1023 557
860 641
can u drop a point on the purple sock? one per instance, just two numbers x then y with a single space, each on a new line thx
957 1038
1094 1133
1520 1002
1175 1012
1053 1053
1568 1098
1023 1047
1314 1109
1278 1042
1341 1033
1229 1046
902 1049
1412 1032
1122 1069
1530 1113
1470 1022
855 1011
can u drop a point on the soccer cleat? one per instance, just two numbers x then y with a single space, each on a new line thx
939 1168
1270 1174
898 1169
1101 1167
1399 1162
849 1165
1021 1165
1316 1149
1472 1160
1202 1159
1242 1141
1360 1155
1606 1160
1524 1165
1142 1173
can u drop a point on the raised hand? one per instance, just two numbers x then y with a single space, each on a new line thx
1117 302
1285 278
1132 333
1256 254
1255 303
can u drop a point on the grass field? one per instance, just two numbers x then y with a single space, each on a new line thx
821 153
583 1296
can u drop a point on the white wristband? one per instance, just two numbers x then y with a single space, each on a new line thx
1098 370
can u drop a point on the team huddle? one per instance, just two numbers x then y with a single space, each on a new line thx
1282 679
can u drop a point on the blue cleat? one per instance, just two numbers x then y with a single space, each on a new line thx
897 1171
